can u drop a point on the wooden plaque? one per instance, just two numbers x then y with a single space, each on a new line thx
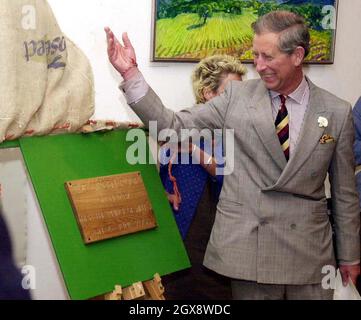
111 206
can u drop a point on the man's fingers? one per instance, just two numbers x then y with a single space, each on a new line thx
109 33
345 277
111 38
120 52
119 55
126 40
111 48
113 44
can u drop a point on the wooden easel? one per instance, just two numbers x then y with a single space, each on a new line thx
147 290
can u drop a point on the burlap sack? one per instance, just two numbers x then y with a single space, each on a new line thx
46 82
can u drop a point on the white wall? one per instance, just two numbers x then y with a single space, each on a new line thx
83 22
343 78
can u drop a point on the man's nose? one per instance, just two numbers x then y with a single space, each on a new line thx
260 64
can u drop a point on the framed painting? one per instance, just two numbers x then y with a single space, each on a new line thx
189 30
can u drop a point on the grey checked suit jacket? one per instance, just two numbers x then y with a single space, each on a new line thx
271 224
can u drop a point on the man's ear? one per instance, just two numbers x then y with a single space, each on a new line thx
299 55
208 94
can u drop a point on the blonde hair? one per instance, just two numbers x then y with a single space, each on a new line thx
210 72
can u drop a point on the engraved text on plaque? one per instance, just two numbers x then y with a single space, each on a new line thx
112 206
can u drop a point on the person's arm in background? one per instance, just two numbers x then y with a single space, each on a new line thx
357 122
173 199
345 203
214 163
356 111
207 161
357 145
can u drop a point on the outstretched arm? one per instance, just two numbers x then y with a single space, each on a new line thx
147 105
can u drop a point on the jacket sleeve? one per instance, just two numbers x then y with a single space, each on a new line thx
204 116
345 203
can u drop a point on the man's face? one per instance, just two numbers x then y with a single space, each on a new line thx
279 71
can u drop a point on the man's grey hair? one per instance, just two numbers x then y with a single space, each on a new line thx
291 27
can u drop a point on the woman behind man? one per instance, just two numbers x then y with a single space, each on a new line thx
193 189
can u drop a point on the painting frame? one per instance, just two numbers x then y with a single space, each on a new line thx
323 41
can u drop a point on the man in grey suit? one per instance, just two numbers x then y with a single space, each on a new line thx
272 234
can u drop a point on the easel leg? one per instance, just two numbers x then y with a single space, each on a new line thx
148 290
134 292
115 295
155 288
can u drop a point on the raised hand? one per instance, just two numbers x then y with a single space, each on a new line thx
122 57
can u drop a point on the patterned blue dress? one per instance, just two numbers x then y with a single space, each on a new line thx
191 181
195 218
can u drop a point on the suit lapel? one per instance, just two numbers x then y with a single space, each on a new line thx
260 111
310 135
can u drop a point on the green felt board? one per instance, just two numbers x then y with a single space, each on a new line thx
92 270
9 144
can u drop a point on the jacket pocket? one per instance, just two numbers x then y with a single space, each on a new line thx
227 202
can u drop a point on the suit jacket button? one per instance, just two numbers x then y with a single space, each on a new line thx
314 174
293 226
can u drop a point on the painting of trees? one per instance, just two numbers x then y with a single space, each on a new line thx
189 30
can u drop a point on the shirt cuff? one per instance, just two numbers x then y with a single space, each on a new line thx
135 88
353 263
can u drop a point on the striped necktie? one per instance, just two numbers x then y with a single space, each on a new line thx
282 127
